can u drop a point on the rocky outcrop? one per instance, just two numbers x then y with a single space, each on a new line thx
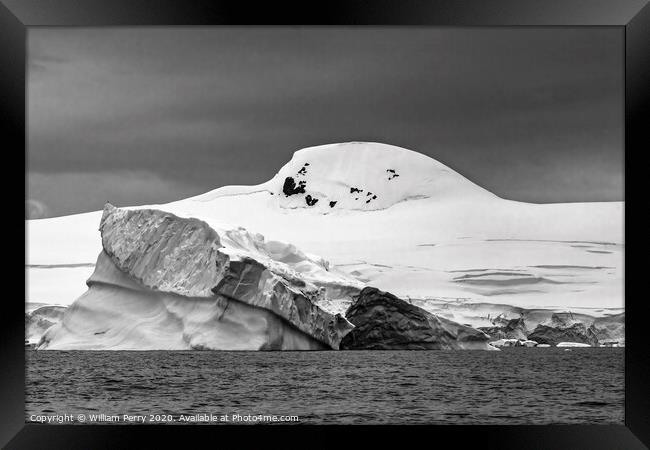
385 322
610 329
166 256
563 328
507 329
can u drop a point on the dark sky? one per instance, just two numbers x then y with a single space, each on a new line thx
153 115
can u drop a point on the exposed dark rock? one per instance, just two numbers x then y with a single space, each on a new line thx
311 201
353 190
332 204
562 328
385 322
610 328
392 175
511 329
290 187
371 198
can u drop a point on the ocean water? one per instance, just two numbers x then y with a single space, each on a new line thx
514 386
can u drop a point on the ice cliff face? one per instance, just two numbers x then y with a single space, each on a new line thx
163 252
39 320
169 267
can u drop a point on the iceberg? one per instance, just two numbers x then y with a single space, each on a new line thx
572 344
164 282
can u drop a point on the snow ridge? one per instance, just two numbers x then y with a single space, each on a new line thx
358 176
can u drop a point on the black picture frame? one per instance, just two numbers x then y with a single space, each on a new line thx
631 16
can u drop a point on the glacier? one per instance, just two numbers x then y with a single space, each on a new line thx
378 215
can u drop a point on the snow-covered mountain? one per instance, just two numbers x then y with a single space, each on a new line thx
397 220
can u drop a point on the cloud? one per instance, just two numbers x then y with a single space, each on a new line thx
35 209
74 192
213 107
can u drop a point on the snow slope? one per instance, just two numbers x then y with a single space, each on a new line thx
397 220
